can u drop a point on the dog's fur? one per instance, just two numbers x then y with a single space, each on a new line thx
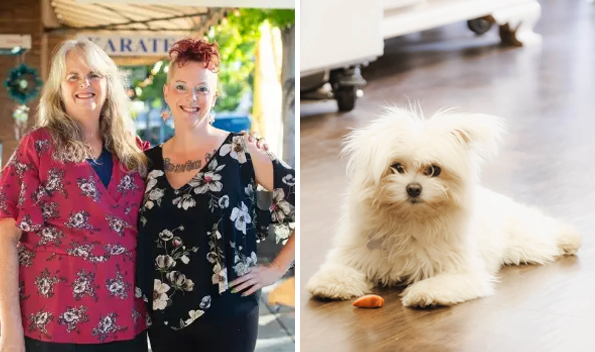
448 246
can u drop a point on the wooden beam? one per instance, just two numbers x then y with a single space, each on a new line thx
66 29
117 26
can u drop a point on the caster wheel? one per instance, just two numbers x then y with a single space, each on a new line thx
346 97
479 25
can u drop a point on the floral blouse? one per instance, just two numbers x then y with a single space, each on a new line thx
196 239
77 252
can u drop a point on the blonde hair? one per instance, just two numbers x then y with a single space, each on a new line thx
115 124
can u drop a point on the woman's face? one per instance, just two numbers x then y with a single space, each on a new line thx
191 92
83 91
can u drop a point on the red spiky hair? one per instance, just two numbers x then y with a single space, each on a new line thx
196 50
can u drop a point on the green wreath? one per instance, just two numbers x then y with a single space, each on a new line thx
23 84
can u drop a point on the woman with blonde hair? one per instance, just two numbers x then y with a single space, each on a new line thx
69 200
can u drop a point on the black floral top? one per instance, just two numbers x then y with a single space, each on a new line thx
194 240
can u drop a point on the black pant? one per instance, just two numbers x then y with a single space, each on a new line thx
234 335
139 344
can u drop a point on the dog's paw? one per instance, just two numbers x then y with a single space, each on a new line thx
338 282
421 295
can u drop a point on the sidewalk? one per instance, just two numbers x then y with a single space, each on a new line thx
276 332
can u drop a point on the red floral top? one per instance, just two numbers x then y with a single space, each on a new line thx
78 249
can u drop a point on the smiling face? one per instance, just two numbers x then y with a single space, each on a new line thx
83 90
190 93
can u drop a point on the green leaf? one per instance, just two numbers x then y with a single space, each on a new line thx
237 38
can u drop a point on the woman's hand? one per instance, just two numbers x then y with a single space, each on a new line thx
258 277
254 138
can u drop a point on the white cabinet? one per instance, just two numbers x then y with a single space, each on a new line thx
338 35
396 4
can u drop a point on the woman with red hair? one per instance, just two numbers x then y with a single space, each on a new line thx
199 221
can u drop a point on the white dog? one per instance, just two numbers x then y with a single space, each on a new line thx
415 214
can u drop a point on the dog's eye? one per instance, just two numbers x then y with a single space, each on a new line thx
398 167
432 171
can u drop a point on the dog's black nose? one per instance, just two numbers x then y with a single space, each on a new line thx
414 189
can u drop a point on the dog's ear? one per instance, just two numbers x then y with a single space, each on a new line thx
478 132
371 148
353 150
359 150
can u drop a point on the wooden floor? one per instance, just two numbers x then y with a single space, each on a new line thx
547 96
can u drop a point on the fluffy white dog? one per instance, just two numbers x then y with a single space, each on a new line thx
415 214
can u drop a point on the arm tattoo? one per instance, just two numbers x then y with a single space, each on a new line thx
188 166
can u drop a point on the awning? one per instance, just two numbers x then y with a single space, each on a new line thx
67 16
275 4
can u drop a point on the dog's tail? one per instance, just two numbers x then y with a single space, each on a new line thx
568 240
537 239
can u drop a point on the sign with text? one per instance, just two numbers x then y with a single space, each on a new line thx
9 41
133 45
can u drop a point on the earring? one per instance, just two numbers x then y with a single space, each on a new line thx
211 119
165 114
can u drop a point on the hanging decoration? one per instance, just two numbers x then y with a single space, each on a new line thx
21 116
23 85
